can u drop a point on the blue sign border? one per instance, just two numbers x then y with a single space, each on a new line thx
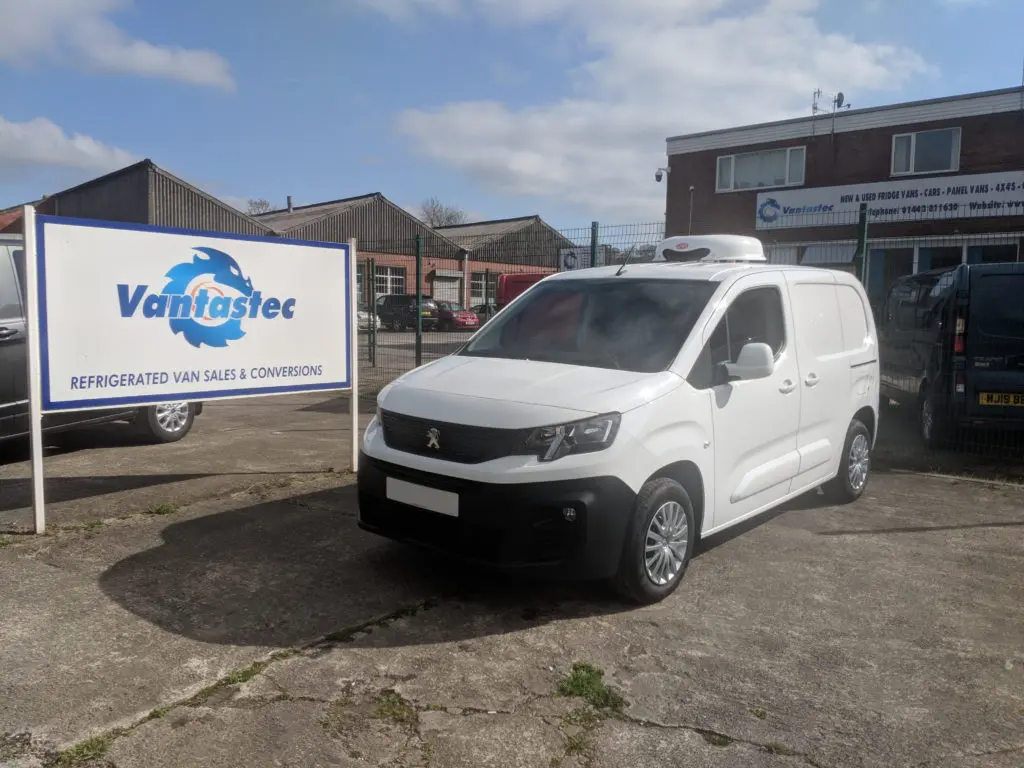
49 405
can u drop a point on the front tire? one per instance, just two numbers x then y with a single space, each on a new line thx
167 422
659 543
854 466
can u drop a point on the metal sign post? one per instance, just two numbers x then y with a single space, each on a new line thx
353 350
35 389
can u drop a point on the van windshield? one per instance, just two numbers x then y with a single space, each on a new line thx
624 324
997 307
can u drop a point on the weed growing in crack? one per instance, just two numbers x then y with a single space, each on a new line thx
240 676
84 751
92 525
715 739
157 713
5 541
391 706
159 510
586 682
237 677
576 744
759 713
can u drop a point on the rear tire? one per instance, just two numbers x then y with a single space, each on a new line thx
854 466
659 543
167 422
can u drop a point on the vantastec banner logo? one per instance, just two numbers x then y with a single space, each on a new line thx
206 300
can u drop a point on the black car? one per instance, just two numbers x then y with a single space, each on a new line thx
951 346
164 423
398 311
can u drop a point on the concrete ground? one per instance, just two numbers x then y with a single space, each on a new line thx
235 445
260 627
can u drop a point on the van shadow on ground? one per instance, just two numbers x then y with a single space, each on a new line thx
285 574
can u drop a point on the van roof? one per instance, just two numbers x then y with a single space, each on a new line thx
710 272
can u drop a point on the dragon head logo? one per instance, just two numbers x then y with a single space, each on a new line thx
205 300
211 273
769 210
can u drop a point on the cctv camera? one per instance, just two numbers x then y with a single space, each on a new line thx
657 175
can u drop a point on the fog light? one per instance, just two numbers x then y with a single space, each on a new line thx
569 513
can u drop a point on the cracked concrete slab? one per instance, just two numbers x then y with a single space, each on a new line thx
100 627
619 743
889 632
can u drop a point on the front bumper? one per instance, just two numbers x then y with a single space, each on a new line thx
514 526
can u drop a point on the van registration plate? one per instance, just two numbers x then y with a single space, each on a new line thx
431 499
997 398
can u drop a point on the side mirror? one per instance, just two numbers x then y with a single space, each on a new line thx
755 361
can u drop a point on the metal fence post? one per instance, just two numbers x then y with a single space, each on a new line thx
370 281
862 243
487 289
594 231
419 300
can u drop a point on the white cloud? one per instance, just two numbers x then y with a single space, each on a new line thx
655 68
39 142
79 32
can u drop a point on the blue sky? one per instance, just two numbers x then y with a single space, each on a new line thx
501 107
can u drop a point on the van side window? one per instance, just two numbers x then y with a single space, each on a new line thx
10 299
755 316
19 270
934 300
900 309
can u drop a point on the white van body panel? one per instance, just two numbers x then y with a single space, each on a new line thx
754 443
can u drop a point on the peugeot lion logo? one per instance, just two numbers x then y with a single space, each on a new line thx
434 439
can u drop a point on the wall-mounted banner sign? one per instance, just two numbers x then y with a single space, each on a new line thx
908 199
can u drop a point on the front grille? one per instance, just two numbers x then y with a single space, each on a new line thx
454 442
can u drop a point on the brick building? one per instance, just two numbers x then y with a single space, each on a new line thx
943 181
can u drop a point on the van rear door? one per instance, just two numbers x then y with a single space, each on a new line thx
994 348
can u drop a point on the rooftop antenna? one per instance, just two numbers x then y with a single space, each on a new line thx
815 109
838 102
625 261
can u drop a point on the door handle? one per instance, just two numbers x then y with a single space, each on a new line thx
811 380
6 333
787 387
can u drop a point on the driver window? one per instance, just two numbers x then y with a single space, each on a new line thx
10 298
755 316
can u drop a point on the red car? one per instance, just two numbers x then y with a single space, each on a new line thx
454 317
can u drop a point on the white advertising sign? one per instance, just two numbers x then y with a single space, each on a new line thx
913 199
136 315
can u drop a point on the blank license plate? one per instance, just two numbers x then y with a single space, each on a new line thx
996 398
442 502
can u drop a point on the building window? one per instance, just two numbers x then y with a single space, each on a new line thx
390 280
926 151
476 287
755 170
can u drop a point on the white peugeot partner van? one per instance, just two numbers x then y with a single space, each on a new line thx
608 417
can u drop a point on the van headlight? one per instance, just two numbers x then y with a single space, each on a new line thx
585 436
